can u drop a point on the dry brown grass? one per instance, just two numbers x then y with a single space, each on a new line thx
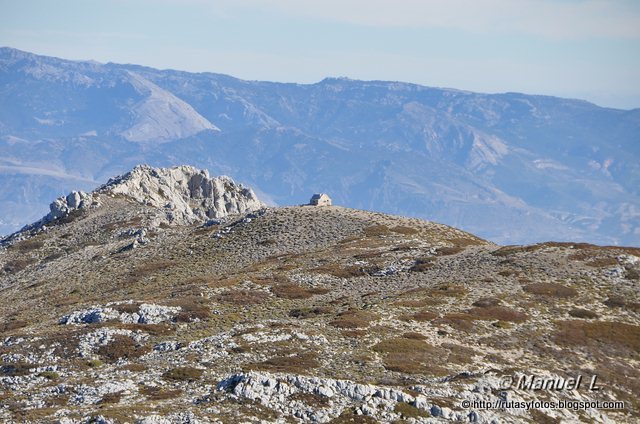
340 271
349 416
486 302
413 335
500 313
122 347
421 316
311 399
353 318
589 252
52 257
602 262
458 321
192 309
369 255
304 313
294 291
448 251
422 264
449 290
72 216
57 401
354 333
631 274
152 329
298 363
376 231
107 398
12 324
620 302
129 308
147 269
417 303
16 368
211 281
583 313
615 302
16 265
243 297
404 230
183 374
35 415
407 411
616 338
550 290
28 245
158 393
459 354
512 250
64 342
133 367
118 225
542 418
412 356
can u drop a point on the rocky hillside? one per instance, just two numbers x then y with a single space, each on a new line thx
509 167
180 195
116 313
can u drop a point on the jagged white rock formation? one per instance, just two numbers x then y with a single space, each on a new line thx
188 194
161 116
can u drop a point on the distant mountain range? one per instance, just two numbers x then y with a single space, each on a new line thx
512 168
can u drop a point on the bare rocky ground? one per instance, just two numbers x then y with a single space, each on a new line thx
112 314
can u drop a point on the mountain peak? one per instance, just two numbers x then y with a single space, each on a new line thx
180 194
188 193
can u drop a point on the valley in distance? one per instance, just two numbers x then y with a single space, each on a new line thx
170 296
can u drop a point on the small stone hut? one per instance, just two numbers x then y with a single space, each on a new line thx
320 199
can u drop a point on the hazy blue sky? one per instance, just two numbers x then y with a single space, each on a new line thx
573 48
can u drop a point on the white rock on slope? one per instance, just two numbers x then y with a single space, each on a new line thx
59 208
161 116
186 194
63 206
147 314
190 195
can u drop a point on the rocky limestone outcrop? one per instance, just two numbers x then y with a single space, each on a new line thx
278 391
275 392
76 200
189 195
146 314
184 194
60 208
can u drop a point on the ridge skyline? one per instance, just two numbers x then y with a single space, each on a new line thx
326 78
512 168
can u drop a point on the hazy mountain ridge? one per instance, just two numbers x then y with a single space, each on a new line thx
509 167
